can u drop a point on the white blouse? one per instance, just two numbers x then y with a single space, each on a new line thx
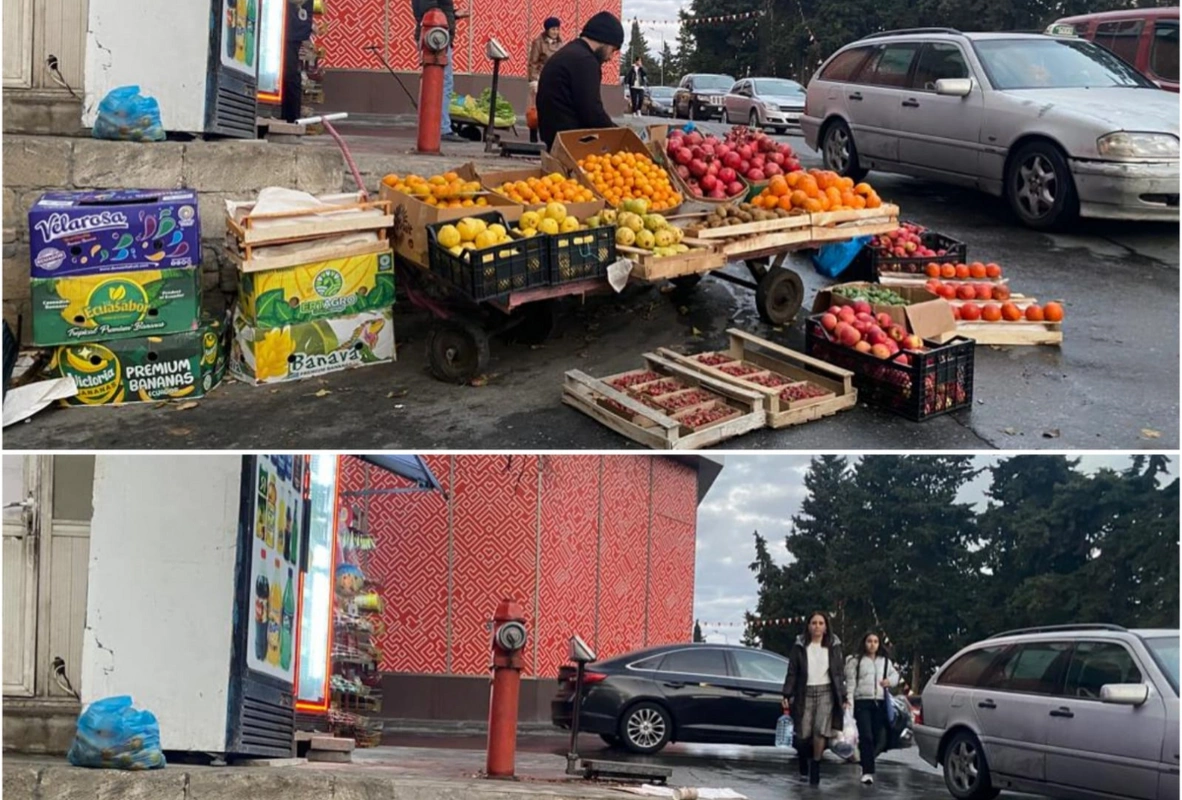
818 664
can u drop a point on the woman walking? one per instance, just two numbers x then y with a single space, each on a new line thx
815 692
870 674
547 44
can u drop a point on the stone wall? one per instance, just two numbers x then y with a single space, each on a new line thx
217 171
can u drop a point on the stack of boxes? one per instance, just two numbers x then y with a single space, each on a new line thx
116 292
316 309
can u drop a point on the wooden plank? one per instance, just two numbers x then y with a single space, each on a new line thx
887 211
839 233
299 229
763 244
761 226
916 279
648 267
1007 333
312 255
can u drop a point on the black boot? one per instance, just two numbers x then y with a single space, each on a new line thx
803 759
814 773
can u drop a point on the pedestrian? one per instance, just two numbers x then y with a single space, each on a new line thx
420 8
569 89
548 43
637 81
297 31
815 692
869 673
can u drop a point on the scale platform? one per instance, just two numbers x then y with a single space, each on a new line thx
619 770
522 149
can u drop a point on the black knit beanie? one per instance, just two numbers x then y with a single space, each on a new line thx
605 28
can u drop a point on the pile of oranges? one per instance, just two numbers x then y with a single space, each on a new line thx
976 271
815 191
1009 312
448 190
630 176
534 191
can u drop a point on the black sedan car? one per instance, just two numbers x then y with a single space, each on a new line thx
658 101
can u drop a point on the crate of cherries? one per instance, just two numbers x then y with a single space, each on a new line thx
692 406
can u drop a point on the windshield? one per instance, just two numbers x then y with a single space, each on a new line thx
1165 652
778 88
713 83
1054 64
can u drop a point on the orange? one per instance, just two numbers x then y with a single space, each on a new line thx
859 202
834 195
785 203
991 312
873 201
1053 312
813 206
799 198
793 179
778 186
863 189
808 185
1034 313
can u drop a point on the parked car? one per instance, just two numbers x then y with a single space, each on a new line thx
720 694
658 101
1058 126
765 103
699 96
1064 711
1146 38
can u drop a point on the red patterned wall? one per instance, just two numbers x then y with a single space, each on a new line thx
353 25
599 532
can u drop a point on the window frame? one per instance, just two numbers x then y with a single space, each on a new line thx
911 82
1014 653
1132 657
1150 65
1136 38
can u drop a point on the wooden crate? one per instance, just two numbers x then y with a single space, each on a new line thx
902 279
625 414
758 227
312 255
771 358
326 222
648 267
836 226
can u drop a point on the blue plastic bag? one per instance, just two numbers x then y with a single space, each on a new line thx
784 731
114 735
832 259
125 115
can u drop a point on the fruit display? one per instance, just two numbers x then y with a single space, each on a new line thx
815 191
554 187
963 272
448 190
759 156
870 294
551 220
471 233
908 241
855 327
803 391
968 291
634 379
666 386
651 232
1007 312
731 214
739 370
682 400
714 359
630 176
707 416
770 380
709 167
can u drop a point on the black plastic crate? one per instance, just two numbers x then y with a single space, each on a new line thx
933 383
493 271
589 258
871 262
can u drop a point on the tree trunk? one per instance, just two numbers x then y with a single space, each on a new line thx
916 674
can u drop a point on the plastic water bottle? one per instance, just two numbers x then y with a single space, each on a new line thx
784 731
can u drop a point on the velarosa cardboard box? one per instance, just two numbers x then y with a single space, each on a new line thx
83 233
115 305
925 314
308 349
336 288
493 181
146 369
412 244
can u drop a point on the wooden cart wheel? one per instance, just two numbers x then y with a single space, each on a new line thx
779 296
457 351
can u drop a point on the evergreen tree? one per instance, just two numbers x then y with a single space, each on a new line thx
669 72
637 46
698 637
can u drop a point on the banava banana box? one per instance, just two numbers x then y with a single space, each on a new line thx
308 349
178 366
115 305
340 287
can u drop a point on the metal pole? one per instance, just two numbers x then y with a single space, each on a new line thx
572 758
492 108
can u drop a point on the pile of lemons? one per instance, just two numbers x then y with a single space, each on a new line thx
471 233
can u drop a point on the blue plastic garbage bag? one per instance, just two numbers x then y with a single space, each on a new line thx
112 734
832 259
125 115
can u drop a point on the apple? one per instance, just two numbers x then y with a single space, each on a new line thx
862 307
912 342
884 319
897 332
828 321
903 360
849 336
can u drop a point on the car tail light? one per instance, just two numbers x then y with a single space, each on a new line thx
590 678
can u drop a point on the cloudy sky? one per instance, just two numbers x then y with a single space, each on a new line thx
646 10
762 492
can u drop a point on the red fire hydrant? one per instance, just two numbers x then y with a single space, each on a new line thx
433 48
509 636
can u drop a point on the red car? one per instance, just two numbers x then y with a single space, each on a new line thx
1146 38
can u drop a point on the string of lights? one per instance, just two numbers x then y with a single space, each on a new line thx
693 21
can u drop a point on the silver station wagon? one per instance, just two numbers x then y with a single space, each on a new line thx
1060 127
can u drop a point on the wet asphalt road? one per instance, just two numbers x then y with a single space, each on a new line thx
1112 385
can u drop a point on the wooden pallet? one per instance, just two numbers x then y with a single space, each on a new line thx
765 244
654 428
312 255
1007 333
904 279
648 267
771 358
836 226
329 222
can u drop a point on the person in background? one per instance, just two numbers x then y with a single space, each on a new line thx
867 674
297 31
548 43
637 80
815 692
569 89
448 7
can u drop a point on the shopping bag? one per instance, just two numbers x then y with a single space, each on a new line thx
845 744
125 115
832 259
112 734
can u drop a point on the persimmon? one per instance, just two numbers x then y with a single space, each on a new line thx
947 271
932 270
1053 312
1033 313
991 312
977 270
962 271
970 312
1010 312
992 270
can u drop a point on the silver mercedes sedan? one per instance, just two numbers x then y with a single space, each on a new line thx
1060 127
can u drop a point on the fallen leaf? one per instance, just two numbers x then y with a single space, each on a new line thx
323 392
695 332
188 405
179 431
1053 433
1150 433
1010 432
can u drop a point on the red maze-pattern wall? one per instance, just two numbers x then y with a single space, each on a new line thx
353 25
608 553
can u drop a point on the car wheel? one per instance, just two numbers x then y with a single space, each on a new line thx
838 151
1039 186
966 774
610 739
645 728
753 119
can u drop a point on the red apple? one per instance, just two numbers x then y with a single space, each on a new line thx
912 342
862 307
828 321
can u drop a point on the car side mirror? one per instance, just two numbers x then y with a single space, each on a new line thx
1124 694
954 87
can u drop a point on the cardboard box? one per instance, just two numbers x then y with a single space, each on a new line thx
84 233
115 305
146 369
412 244
337 288
570 146
925 315
308 349
492 181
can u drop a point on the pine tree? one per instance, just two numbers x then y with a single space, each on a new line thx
670 73
638 46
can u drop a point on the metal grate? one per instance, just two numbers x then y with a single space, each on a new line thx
235 114
267 729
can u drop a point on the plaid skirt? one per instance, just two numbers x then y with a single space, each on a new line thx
817 718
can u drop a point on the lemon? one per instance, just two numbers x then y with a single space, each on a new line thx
549 226
555 211
456 251
569 224
557 177
466 229
530 219
448 236
664 237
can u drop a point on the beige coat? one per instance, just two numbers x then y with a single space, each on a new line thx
539 53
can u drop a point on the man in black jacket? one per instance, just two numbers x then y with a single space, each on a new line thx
569 87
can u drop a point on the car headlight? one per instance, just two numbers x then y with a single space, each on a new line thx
771 108
1138 145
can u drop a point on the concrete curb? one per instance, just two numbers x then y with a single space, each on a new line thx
25 781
